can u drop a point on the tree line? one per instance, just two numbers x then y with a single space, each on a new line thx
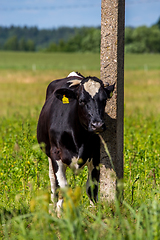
85 39
143 39
13 44
61 39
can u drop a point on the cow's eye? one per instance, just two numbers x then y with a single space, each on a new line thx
82 102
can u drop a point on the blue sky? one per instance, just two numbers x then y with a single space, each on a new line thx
56 13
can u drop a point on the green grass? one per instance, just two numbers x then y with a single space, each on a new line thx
142 92
49 61
142 62
72 61
24 180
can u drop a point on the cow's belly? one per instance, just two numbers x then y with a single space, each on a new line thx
73 159
69 149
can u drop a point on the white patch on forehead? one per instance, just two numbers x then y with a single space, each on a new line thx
92 87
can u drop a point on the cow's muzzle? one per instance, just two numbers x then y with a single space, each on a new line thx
98 127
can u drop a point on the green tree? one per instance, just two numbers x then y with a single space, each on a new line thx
30 45
61 46
74 44
22 45
141 34
142 39
11 44
157 23
91 41
52 48
128 35
153 41
135 47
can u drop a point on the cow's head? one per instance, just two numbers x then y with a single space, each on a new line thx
91 96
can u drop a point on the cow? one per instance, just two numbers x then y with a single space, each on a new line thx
68 126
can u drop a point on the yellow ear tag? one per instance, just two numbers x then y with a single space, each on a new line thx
111 94
65 100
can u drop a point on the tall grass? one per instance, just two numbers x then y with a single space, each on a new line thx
25 210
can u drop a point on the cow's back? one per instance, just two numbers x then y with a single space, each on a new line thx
59 83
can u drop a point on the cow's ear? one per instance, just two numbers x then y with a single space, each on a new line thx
109 90
65 95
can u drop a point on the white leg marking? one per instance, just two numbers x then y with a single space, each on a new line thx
52 180
61 174
62 182
59 207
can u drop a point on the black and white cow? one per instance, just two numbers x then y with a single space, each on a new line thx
69 123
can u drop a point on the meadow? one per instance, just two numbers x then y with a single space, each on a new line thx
24 180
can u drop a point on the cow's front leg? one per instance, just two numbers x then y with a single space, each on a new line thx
57 170
92 181
62 182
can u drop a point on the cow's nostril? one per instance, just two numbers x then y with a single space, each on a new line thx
98 126
94 125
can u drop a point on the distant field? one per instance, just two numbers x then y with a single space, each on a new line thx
49 61
142 62
69 61
33 71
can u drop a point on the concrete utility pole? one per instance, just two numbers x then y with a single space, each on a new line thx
112 71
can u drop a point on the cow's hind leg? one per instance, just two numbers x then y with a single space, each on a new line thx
92 181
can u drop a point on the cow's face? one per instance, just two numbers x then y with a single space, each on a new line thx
91 96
